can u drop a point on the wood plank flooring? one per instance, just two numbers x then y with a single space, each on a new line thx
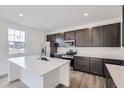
78 80
85 80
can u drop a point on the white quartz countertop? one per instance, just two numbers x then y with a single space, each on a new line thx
37 66
117 74
102 55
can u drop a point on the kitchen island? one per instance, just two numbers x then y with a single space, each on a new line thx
36 73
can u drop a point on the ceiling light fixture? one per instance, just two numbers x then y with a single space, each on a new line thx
47 26
85 14
20 14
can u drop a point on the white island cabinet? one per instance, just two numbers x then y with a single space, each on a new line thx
36 73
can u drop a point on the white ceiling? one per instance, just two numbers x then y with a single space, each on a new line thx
59 17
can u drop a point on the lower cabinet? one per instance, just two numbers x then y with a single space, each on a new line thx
81 63
96 66
57 55
87 64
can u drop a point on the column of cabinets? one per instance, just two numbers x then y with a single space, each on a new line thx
101 36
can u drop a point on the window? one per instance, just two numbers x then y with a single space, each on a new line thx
16 40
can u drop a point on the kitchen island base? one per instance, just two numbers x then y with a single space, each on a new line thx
51 79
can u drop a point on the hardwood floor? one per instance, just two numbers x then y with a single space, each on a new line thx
78 80
85 80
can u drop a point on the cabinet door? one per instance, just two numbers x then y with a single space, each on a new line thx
81 63
97 36
60 39
123 26
78 38
69 35
112 35
96 66
51 38
83 38
48 38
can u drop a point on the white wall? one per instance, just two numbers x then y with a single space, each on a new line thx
95 50
34 37
100 23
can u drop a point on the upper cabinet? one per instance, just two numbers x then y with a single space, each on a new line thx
83 38
51 38
97 36
60 39
69 35
101 36
123 26
106 36
112 35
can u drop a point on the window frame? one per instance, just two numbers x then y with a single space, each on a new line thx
16 54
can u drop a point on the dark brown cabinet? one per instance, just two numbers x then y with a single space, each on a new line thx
81 63
57 55
48 37
83 38
51 38
60 39
101 36
97 36
123 26
69 35
112 35
96 66
113 61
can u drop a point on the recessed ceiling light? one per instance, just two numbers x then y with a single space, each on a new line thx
85 14
20 14
47 26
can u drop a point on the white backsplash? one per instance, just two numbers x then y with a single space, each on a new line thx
94 50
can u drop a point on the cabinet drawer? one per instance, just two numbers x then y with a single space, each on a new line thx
81 68
81 58
81 61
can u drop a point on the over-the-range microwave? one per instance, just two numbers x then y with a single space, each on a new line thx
69 43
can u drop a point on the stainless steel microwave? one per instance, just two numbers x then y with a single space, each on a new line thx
69 43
